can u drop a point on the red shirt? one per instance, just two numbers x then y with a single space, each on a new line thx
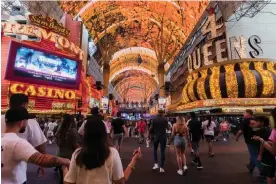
141 126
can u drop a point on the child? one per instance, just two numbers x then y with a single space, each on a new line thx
267 160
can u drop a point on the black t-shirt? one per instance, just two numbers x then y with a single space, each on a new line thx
159 126
267 157
117 125
195 128
247 131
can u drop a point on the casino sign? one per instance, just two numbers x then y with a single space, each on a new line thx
30 30
42 91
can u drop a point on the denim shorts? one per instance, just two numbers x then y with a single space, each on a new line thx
179 141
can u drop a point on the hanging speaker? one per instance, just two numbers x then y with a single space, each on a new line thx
167 86
98 85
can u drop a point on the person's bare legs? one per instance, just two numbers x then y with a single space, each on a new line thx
178 158
183 157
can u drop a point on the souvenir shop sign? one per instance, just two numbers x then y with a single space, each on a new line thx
42 91
30 30
49 24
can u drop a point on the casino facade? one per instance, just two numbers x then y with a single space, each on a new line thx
227 66
45 96
177 56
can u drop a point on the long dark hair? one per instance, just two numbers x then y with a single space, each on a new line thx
95 147
209 122
67 124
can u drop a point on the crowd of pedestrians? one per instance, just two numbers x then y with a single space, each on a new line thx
88 149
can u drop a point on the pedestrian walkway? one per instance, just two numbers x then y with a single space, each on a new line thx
227 167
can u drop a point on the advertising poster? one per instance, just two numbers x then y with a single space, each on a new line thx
93 103
162 103
104 104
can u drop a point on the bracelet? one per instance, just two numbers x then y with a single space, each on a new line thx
262 141
131 167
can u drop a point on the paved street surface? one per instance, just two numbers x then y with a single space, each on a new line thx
227 167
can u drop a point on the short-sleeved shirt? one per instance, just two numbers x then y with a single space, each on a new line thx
33 133
272 136
81 129
15 152
195 128
117 125
247 130
267 157
51 126
209 130
159 127
111 170
141 125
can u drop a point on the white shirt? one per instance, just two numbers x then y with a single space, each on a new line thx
33 133
51 126
188 122
169 130
81 129
111 170
210 130
15 152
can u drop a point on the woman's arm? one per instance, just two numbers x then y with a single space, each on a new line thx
268 145
173 131
129 169
131 166
261 152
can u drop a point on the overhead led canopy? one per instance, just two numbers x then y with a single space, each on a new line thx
126 30
138 23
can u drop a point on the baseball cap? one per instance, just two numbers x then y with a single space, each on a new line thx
17 114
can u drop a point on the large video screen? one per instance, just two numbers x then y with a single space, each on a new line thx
33 63
42 67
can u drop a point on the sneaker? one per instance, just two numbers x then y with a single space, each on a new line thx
155 167
250 169
199 167
185 168
162 170
194 162
211 154
180 172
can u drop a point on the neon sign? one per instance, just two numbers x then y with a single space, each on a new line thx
30 30
42 91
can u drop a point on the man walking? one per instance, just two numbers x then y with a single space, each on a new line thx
195 128
247 131
33 133
16 152
158 131
119 130
141 126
